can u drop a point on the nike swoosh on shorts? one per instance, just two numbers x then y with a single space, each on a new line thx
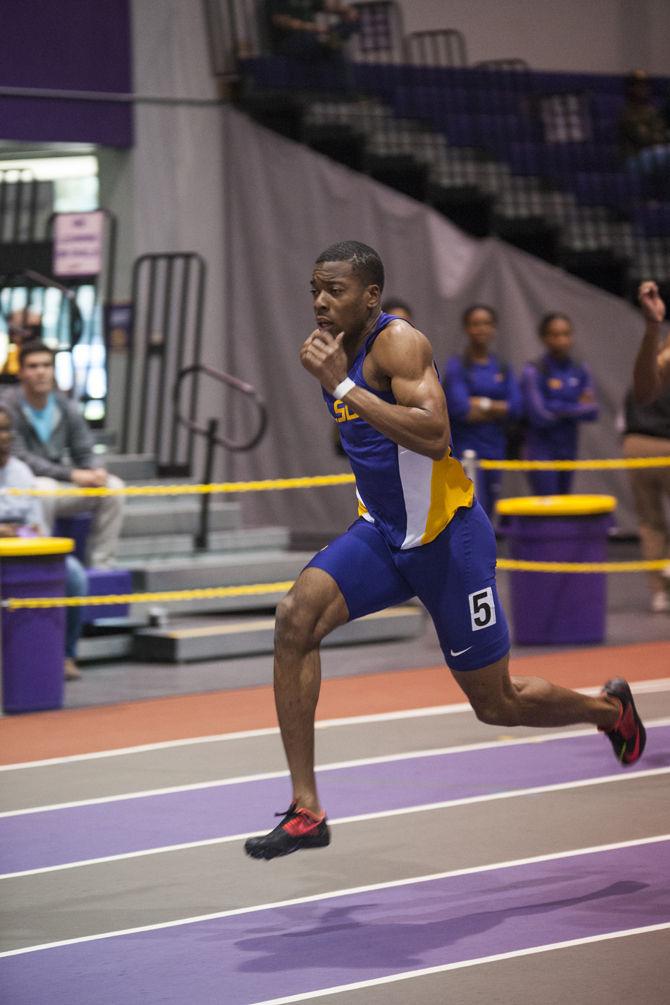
460 651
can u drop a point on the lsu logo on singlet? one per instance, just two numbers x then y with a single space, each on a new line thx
342 411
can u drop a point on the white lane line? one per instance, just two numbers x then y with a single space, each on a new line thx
639 687
361 762
411 713
350 891
359 818
462 964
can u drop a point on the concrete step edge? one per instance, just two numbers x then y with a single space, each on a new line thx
256 636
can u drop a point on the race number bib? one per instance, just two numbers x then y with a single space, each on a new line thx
482 609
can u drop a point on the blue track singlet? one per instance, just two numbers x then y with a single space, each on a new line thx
408 496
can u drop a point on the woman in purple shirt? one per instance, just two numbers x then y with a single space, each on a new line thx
558 394
482 397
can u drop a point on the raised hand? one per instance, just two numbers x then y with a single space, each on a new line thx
652 306
322 355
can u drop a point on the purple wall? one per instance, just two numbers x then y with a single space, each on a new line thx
69 45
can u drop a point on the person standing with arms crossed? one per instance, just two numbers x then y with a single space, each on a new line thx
420 532
558 394
483 396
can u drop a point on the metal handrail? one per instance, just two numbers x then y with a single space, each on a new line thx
211 433
236 384
167 303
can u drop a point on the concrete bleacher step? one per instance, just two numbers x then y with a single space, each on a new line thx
145 519
115 646
130 467
167 544
214 605
253 538
164 545
202 639
239 568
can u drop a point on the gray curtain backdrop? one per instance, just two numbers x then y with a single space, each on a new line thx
285 204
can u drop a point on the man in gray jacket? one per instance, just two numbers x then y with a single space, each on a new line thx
52 438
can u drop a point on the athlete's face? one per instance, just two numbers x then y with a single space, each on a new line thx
558 338
342 302
480 328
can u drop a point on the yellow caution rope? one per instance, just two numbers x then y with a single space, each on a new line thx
592 465
205 593
320 481
256 589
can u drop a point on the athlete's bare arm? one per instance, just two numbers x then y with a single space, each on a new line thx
651 375
401 360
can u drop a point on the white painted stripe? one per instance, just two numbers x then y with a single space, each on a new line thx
641 687
139 749
242 735
332 766
350 891
148 793
359 818
462 964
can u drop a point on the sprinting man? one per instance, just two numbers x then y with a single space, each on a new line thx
420 532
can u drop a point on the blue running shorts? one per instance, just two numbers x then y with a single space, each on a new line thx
453 576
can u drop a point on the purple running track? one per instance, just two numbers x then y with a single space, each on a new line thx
56 837
302 948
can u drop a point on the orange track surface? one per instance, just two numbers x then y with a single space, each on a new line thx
61 733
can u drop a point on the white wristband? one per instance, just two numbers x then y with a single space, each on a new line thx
484 404
344 387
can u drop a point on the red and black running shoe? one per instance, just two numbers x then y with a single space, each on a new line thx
628 736
299 829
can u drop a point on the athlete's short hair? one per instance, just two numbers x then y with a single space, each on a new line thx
479 307
364 260
546 321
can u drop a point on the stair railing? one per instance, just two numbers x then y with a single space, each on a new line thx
212 436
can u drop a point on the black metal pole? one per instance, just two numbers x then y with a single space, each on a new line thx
202 538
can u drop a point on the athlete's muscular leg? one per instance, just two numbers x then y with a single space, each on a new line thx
501 700
310 611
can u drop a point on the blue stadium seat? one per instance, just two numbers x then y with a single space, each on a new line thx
526 157
615 189
652 220
496 100
461 129
566 159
